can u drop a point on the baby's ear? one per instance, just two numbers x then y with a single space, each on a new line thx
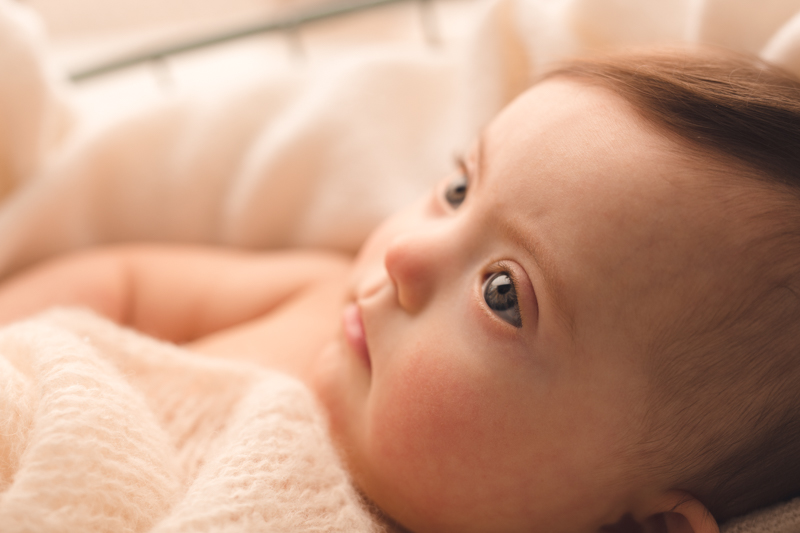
673 512
680 512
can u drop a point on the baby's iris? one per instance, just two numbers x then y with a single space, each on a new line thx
456 191
501 297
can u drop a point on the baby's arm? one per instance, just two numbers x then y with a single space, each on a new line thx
176 293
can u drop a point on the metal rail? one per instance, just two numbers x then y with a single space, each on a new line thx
285 24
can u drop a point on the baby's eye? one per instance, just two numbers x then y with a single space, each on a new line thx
456 191
501 297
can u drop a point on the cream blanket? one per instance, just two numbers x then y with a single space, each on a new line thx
106 430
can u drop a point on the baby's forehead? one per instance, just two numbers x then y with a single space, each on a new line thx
625 224
564 123
570 135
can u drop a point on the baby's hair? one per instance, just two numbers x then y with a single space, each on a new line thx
724 409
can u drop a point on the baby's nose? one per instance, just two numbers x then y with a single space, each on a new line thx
412 261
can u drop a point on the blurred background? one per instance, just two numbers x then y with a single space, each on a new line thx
91 39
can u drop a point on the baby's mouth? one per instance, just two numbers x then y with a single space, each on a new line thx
353 327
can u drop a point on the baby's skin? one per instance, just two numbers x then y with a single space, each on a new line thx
481 359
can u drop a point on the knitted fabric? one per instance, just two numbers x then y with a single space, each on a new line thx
102 429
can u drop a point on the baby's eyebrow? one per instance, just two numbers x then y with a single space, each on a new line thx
554 281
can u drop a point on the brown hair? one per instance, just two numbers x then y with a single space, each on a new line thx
725 402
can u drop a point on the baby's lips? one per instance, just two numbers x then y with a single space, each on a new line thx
353 327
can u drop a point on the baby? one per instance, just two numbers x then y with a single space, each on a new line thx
591 326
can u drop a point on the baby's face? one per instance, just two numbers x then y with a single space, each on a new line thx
501 383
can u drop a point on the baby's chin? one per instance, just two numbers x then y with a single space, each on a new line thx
319 376
328 382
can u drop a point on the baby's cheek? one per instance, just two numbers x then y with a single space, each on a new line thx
434 429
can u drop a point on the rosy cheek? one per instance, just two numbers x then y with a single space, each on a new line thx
431 427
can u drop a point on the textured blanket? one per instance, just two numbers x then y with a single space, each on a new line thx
105 430
102 429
